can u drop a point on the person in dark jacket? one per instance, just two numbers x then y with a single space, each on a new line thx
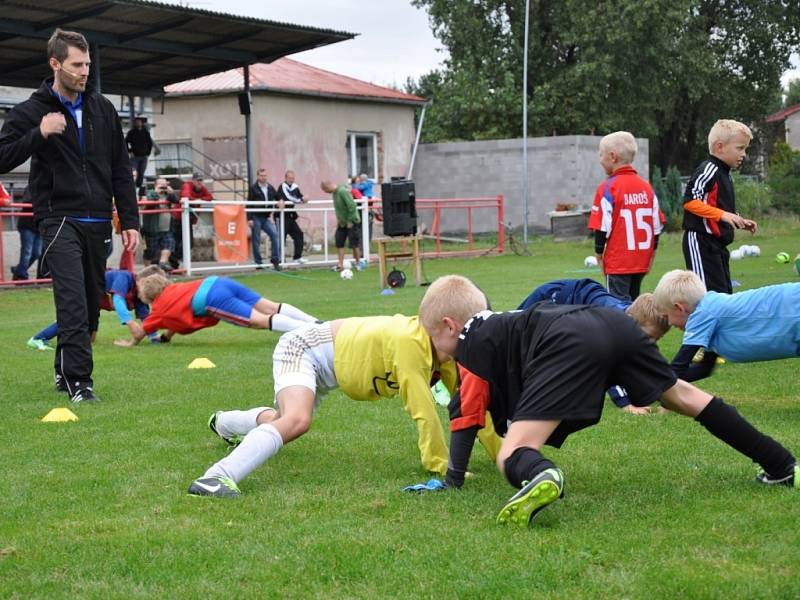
288 196
259 220
79 164
30 246
140 145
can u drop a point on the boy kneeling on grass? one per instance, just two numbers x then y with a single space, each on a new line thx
368 358
188 307
542 373
588 291
749 326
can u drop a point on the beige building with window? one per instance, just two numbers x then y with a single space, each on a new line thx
319 124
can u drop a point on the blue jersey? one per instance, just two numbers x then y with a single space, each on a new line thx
574 291
759 324
121 285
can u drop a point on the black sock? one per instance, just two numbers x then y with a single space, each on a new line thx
725 423
524 464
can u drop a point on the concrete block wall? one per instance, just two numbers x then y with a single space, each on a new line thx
561 169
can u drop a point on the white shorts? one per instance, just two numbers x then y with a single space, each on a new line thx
304 357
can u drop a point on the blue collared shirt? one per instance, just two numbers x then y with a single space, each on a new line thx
75 109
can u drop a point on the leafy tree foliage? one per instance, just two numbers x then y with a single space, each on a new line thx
663 69
784 178
792 93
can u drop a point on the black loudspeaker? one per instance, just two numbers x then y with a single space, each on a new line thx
244 102
399 207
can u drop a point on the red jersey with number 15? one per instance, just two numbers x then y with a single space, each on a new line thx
626 209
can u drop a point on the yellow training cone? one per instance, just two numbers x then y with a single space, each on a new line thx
201 363
59 415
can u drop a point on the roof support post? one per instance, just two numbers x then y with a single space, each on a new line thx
98 82
248 134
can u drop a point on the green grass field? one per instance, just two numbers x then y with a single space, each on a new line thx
655 506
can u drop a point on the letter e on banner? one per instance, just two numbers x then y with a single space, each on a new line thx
231 233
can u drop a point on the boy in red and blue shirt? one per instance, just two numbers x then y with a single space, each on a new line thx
120 296
193 305
625 218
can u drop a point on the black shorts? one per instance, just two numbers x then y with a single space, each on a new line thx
580 355
351 234
709 259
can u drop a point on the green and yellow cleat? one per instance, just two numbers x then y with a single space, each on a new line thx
789 479
232 441
535 495
38 344
219 487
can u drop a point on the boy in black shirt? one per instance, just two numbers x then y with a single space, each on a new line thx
542 374
709 209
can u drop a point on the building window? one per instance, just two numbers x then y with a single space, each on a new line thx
362 154
174 158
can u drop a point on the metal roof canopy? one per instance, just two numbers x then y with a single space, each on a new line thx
144 45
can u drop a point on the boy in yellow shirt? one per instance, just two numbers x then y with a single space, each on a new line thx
368 358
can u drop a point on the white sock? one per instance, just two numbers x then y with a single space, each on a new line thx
238 422
258 446
280 322
295 313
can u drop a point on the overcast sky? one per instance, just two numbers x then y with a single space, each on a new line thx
394 41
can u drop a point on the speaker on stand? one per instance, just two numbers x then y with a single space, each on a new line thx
398 198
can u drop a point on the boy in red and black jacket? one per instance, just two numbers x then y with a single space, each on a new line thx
625 218
710 216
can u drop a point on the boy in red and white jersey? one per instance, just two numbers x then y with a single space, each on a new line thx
625 218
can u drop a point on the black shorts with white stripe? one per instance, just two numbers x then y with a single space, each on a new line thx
709 259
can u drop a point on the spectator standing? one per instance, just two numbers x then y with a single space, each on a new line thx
356 193
625 218
30 246
74 176
157 227
140 145
193 189
364 186
347 222
289 195
262 191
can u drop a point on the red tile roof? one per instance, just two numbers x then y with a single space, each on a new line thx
782 114
290 76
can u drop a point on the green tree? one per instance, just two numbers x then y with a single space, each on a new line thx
792 93
783 177
663 69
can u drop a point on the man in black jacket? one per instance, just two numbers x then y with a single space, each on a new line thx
140 144
288 195
258 219
79 164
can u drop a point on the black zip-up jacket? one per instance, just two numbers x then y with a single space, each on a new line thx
139 142
65 181
255 193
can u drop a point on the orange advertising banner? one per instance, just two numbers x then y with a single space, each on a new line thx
230 229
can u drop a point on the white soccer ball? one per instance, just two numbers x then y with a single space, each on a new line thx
590 261
346 274
347 264
737 254
755 251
